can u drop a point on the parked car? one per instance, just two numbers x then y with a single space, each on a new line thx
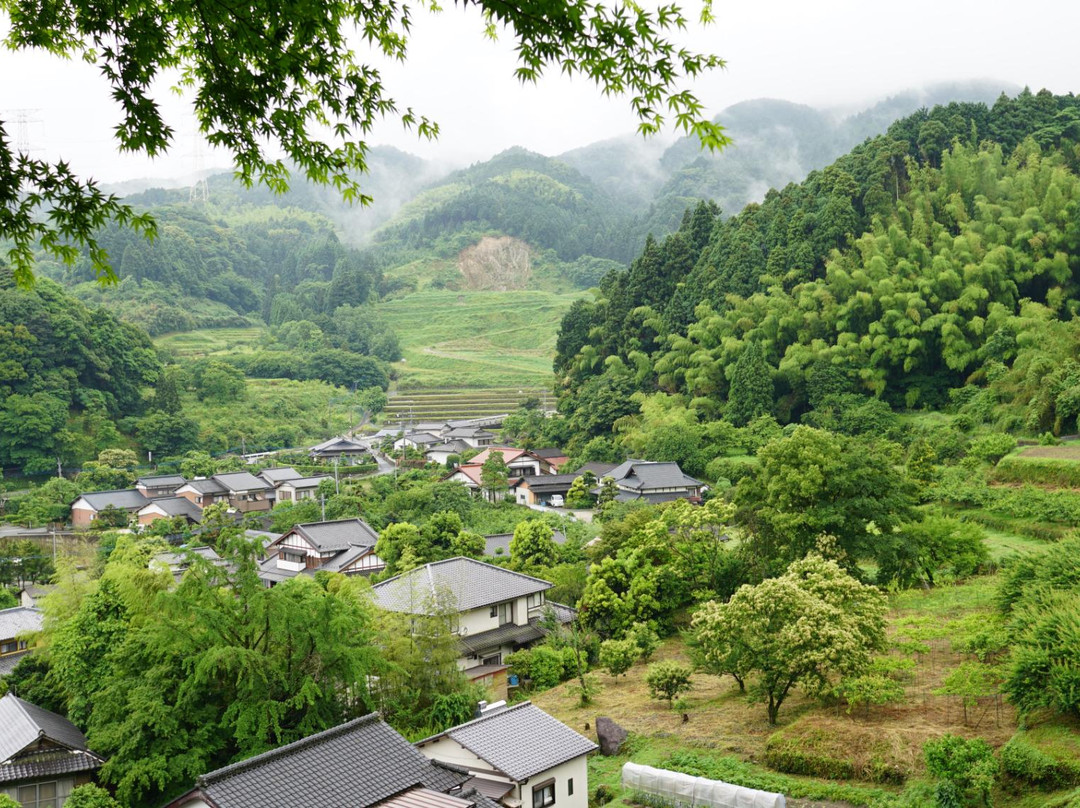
557 501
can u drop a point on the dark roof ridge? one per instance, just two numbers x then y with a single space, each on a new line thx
266 757
328 521
111 491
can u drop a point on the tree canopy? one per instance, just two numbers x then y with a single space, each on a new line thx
280 75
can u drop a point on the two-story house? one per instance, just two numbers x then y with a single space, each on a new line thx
499 610
43 756
344 545
301 488
169 508
242 490
340 448
160 485
520 756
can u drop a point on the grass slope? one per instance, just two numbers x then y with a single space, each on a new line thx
453 340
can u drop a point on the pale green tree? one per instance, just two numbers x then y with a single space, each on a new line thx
807 628
532 546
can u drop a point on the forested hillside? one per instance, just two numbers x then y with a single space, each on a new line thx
933 265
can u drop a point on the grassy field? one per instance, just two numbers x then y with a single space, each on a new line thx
211 341
478 340
724 733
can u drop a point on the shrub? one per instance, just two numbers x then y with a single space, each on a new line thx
964 766
1024 761
666 680
991 448
617 656
645 639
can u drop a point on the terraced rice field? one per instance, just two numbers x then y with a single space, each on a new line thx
476 340
439 405
208 341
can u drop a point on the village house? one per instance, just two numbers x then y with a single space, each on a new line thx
178 563
646 481
15 624
416 440
43 756
274 477
476 437
301 488
360 764
242 490
498 610
345 545
340 448
162 485
519 463
556 457
31 594
442 452
543 489
86 509
518 756
168 508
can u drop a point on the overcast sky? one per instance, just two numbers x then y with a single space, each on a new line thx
836 53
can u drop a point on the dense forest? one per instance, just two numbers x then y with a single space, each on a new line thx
932 266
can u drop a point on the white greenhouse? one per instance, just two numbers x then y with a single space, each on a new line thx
687 791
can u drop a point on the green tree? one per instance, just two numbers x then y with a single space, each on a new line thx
580 494
617 656
937 544
167 392
49 502
646 640
221 382
165 434
532 547
751 393
250 88
494 475
667 680
608 492
807 628
813 483
394 541
470 545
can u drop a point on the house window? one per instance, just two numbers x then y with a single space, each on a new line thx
535 601
570 787
294 557
506 613
492 660
38 795
494 611
9 647
544 794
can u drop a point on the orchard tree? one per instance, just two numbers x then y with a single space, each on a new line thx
278 76
807 628
617 656
668 680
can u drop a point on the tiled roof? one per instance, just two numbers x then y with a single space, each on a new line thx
642 474
307 482
339 444
337 535
549 453
452 446
520 741
601 470
127 499
422 438
358 764
242 481
424 798
547 482
493 542
9 661
510 633
279 475
469 432
470 470
161 481
23 724
177 506
49 763
465 582
509 454
206 486
19 620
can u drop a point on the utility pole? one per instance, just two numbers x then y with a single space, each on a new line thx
337 485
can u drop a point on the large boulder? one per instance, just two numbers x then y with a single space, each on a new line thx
610 735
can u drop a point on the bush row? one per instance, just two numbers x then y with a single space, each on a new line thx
1037 471
1024 761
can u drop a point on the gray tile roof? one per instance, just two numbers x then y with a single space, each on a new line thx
469 432
339 445
453 446
161 481
50 763
242 481
357 764
206 486
503 635
493 542
520 741
19 620
337 535
465 582
279 475
644 475
177 506
9 661
601 470
422 438
547 483
23 725
307 482
127 499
